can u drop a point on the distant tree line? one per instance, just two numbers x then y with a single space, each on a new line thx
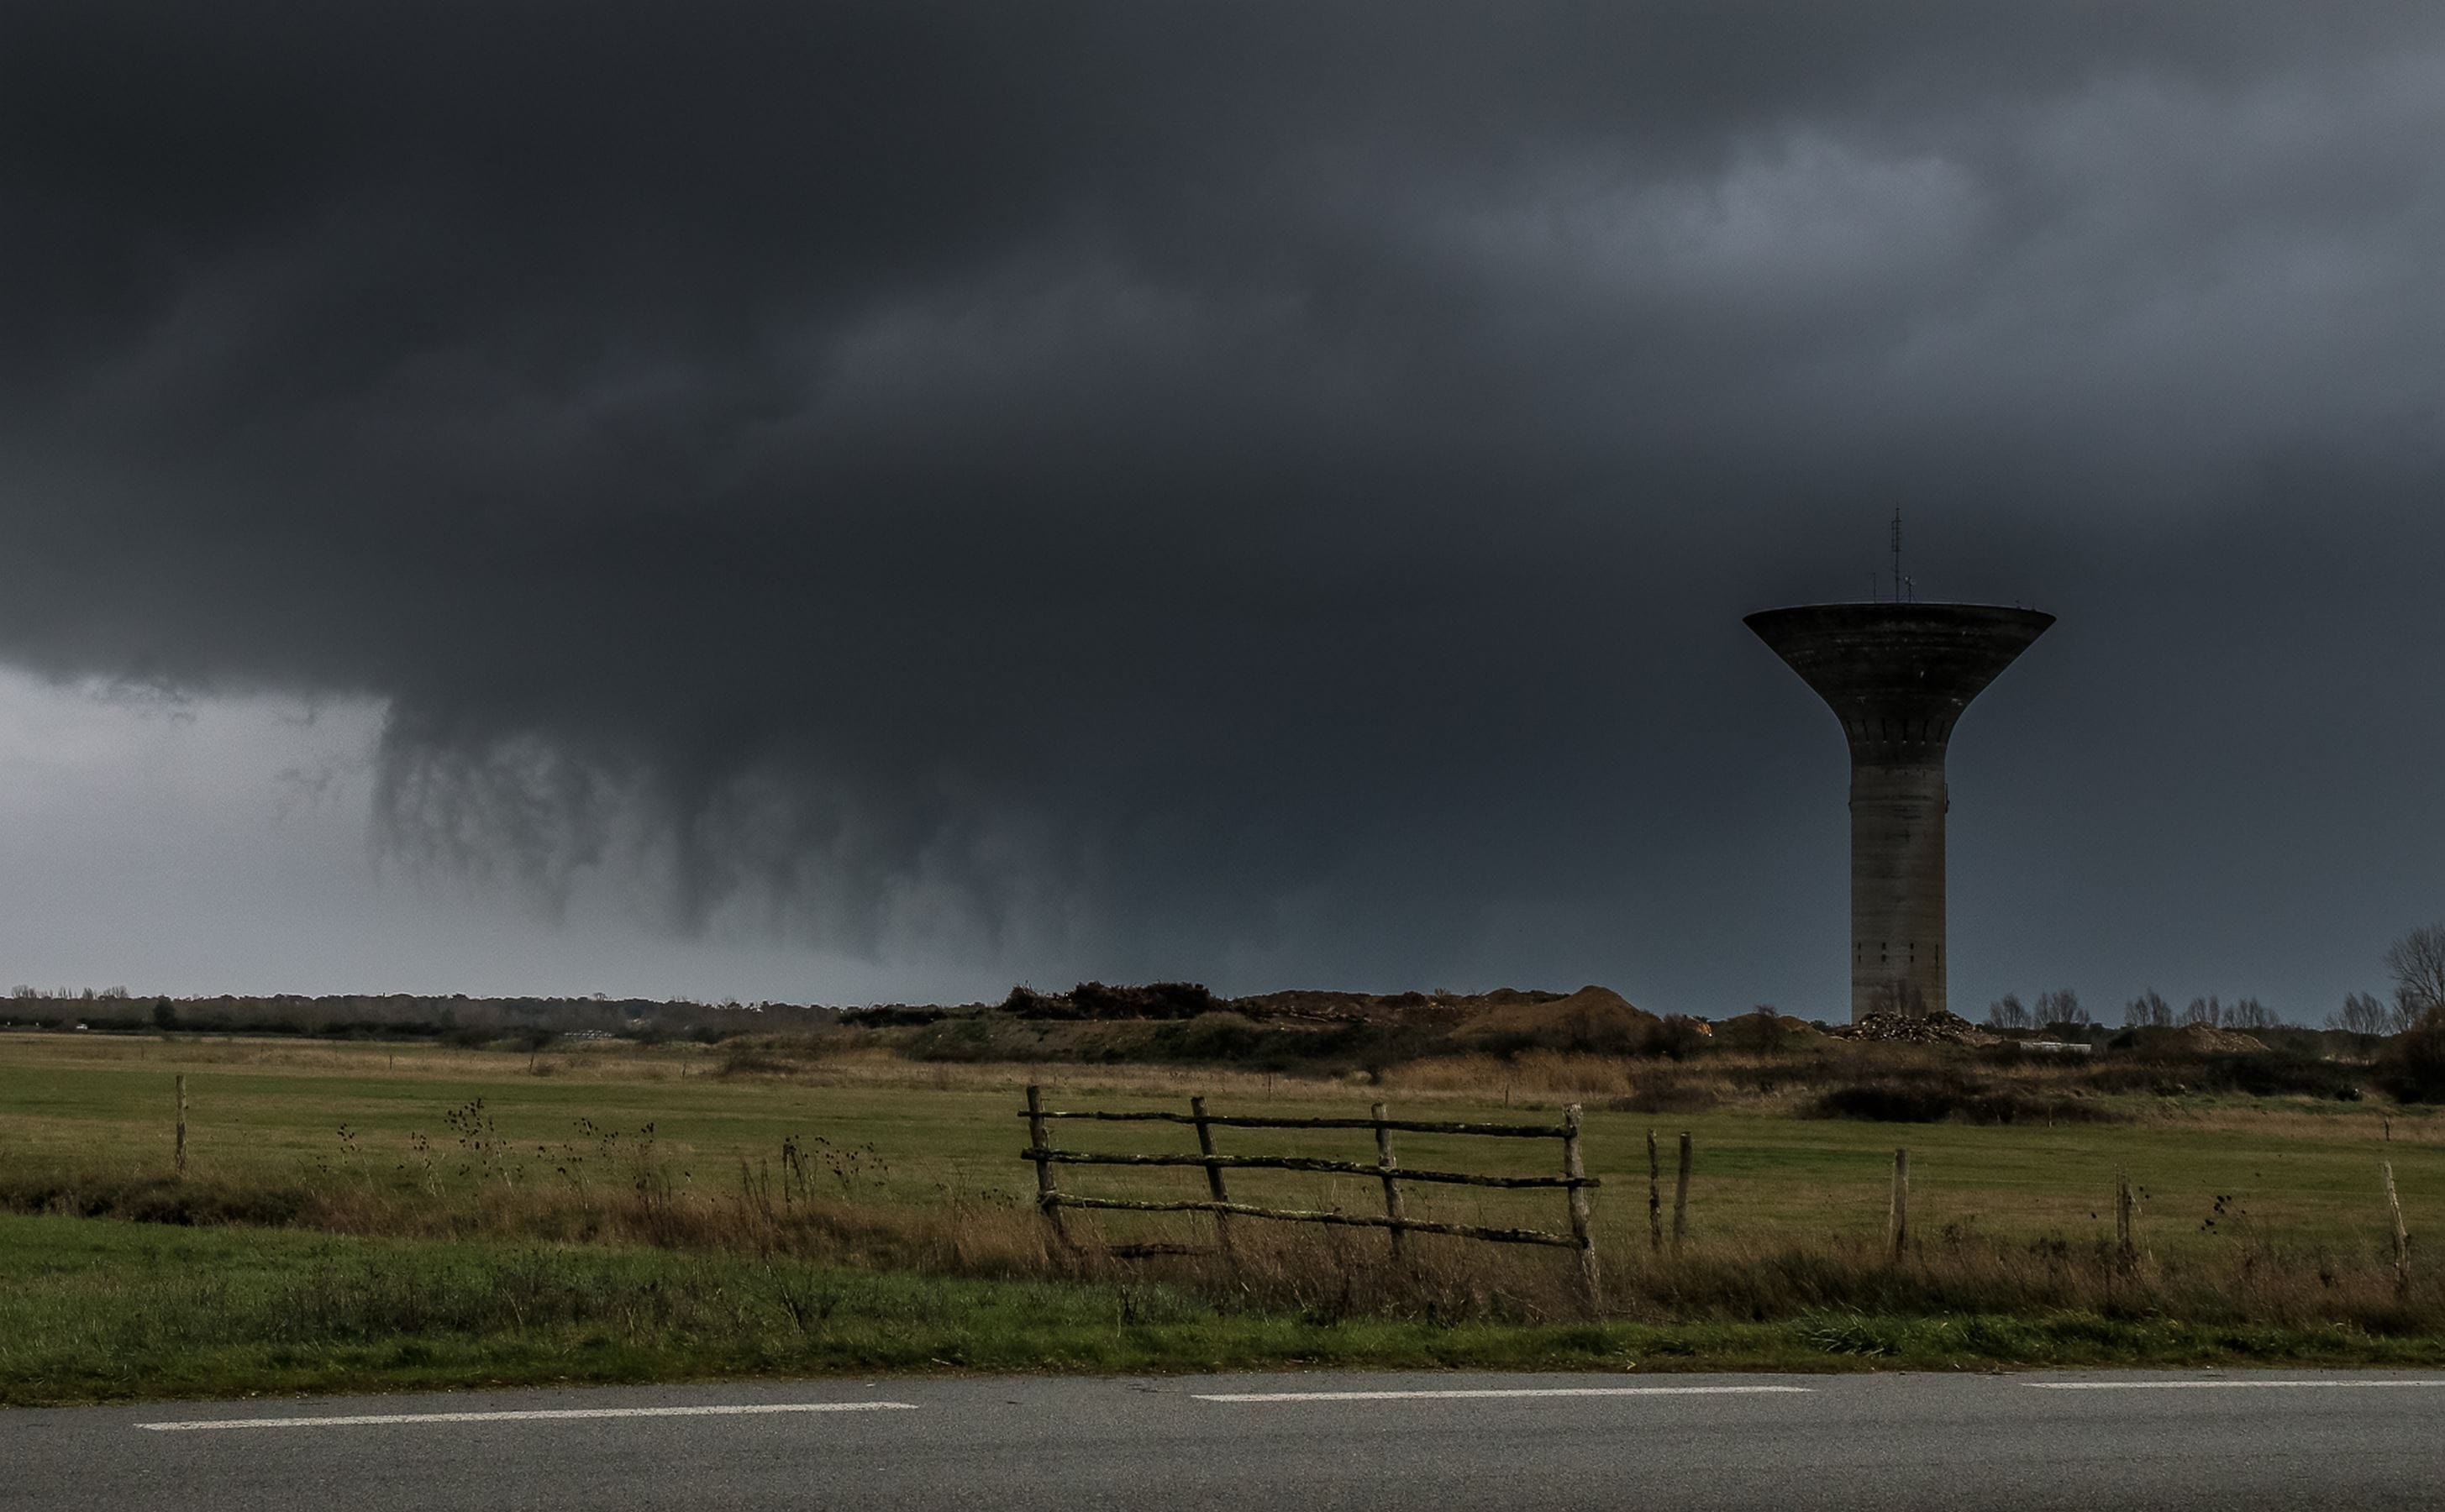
2054 1010
2416 962
456 1016
2150 1010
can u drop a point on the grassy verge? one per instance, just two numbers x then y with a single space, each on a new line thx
97 1310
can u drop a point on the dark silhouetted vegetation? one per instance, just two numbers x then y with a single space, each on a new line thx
1940 1095
2411 1069
1095 999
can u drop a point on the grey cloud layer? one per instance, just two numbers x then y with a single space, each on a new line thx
1237 491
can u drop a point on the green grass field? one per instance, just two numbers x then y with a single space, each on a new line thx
493 1217
77 1108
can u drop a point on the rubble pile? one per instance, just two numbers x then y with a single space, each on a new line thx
1914 1029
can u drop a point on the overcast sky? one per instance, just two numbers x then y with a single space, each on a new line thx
848 502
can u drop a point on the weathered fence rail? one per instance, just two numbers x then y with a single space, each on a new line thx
1572 1182
1328 1168
1398 1126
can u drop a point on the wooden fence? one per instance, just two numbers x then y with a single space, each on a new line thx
1574 1181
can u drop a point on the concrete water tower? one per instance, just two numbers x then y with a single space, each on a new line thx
1897 674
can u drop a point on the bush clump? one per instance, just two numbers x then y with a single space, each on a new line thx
1664 1094
1937 1097
156 1199
2258 1073
891 1015
1095 999
2412 1068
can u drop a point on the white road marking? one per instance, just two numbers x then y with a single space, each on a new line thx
2203 1386
201 1425
1471 1395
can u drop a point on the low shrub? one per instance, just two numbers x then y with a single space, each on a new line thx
156 1199
2258 1073
891 1015
1763 1033
1095 999
1933 1097
2412 1068
1215 1037
966 1039
1664 1094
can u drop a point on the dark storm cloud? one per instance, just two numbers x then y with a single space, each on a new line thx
1251 491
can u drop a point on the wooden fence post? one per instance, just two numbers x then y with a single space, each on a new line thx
1576 1170
1393 1208
1654 1198
1213 1177
1681 1197
1047 1199
179 1157
2126 1249
1898 1215
2402 1235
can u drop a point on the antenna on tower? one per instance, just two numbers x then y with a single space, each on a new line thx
1897 554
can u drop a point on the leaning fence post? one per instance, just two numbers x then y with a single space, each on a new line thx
1898 1215
1655 1197
1574 1170
1213 1176
1047 1199
2402 1235
1383 1161
1681 1197
180 1150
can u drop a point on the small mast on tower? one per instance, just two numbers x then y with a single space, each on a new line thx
1898 675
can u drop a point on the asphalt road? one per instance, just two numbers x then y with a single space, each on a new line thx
2093 1442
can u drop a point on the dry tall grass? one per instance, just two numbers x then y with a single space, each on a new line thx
1333 1273
789 1205
1769 1083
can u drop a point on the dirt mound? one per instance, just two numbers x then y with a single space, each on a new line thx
1764 1031
1914 1029
2207 1039
1366 1007
1506 996
2164 1042
1592 1018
